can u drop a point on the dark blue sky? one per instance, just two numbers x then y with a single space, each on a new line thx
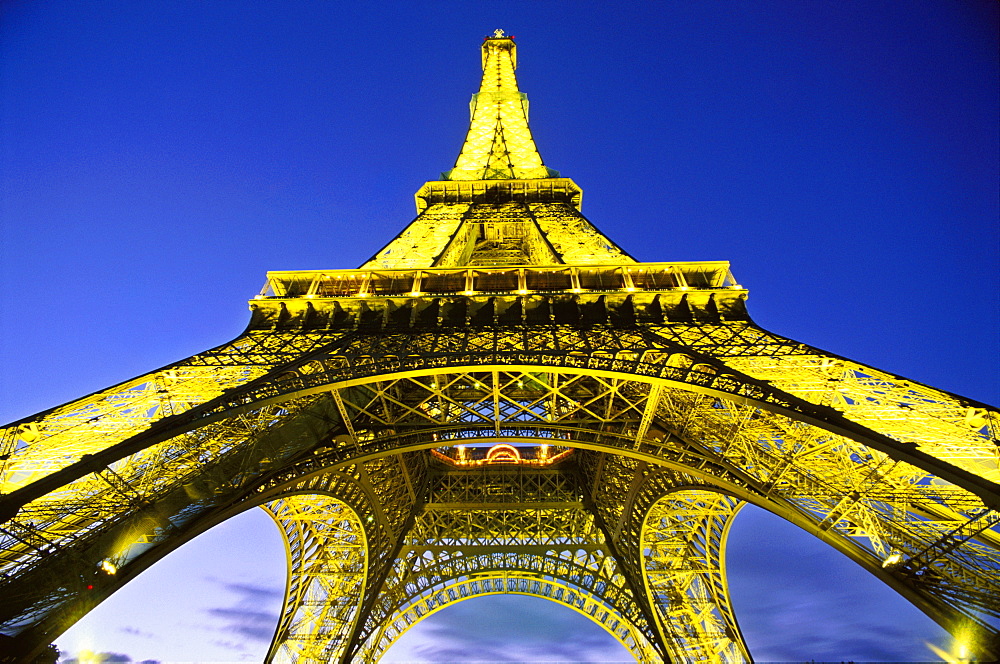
158 158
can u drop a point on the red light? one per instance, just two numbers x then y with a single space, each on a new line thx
90 587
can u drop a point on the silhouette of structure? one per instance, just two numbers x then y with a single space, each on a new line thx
502 400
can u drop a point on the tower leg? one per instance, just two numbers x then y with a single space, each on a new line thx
683 544
669 536
327 559
342 532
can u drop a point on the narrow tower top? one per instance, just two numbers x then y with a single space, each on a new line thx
499 145
500 206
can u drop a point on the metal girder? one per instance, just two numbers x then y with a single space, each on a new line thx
499 144
57 438
338 552
843 486
36 446
512 229
592 589
875 506
172 488
959 431
649 358
520 214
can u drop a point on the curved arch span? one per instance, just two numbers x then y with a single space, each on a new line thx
512 583
724 384
721 382
830 518
839 534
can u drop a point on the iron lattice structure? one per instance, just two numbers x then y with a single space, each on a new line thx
503 401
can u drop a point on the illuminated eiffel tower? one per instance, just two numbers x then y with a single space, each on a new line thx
503 401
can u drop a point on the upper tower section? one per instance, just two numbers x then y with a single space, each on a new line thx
499 145
499 205
500 240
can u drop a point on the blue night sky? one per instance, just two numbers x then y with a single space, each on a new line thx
157 158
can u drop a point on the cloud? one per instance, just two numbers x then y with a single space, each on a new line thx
88 657
135 631
797 599
252 613
251 592
232 645
257 625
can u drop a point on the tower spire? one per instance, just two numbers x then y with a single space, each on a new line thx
458 222
499 145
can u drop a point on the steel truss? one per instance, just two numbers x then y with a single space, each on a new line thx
837 483
501 529
872 500
629 410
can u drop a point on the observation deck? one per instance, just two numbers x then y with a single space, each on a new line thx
658 292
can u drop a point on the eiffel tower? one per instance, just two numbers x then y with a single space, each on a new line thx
502 400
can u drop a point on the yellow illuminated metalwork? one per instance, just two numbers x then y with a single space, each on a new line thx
499 205
326 547
503 401
685 534
499 145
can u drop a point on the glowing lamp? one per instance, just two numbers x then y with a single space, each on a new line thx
894 559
